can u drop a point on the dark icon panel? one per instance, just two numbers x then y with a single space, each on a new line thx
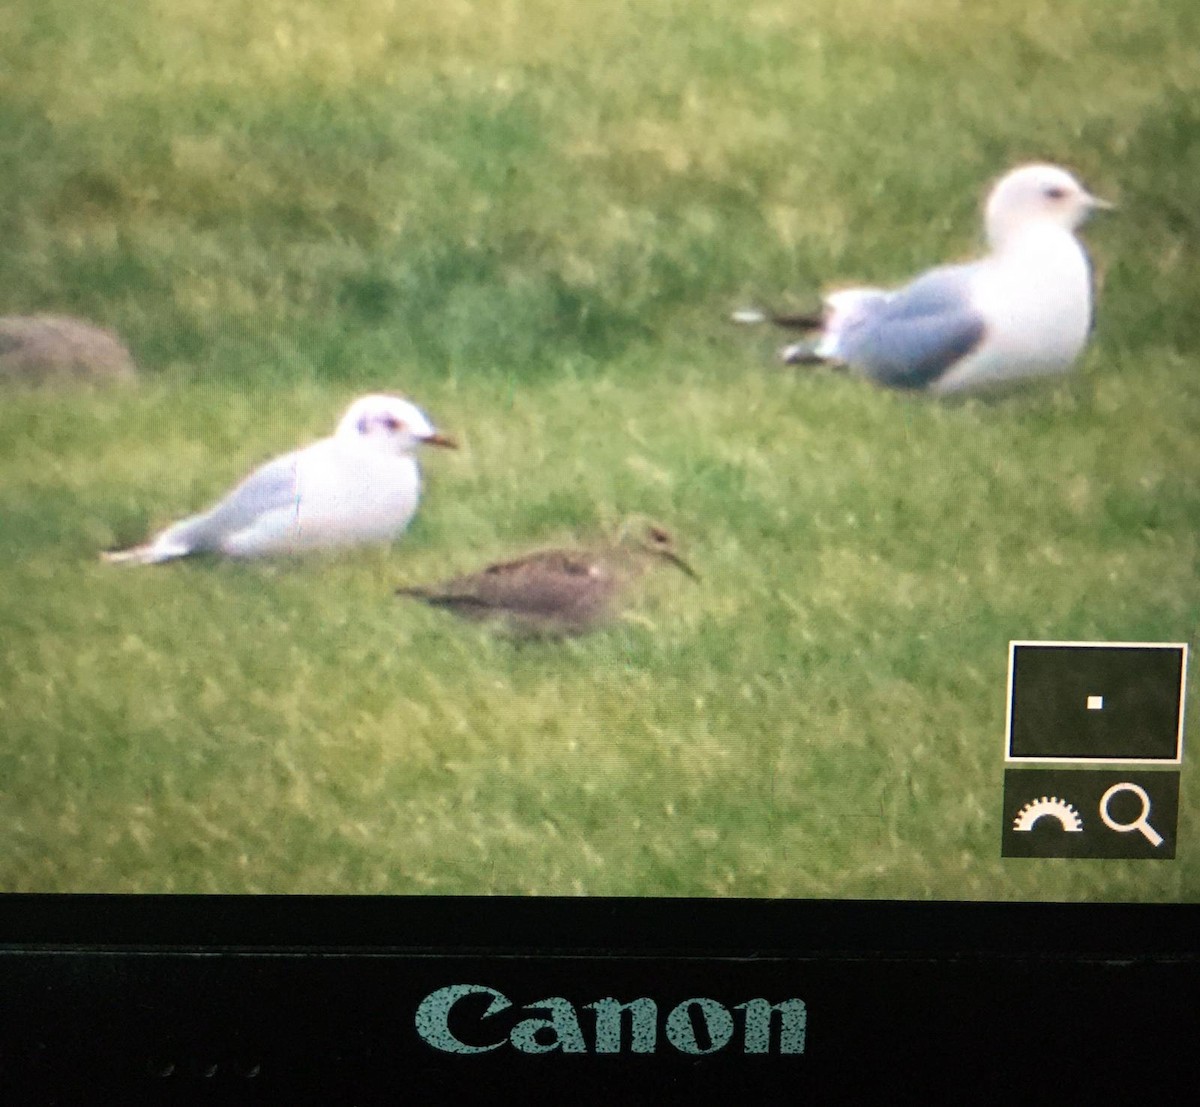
1096 702
1090 813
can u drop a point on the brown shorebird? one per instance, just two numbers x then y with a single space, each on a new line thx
559 592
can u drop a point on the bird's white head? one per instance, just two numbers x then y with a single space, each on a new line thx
390 424
1035 194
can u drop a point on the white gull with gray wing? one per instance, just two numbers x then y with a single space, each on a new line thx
1025 309
360 485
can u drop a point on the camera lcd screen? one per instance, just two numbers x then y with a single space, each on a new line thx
900 614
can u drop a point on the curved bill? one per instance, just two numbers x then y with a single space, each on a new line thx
678 561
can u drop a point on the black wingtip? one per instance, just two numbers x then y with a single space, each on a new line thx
787 320
798 321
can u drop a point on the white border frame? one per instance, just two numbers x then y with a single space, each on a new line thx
1177 760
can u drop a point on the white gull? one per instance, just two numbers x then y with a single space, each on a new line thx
1023 310
360 485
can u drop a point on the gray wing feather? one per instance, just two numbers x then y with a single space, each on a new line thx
269 488
914 336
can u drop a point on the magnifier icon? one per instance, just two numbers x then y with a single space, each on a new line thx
1148 832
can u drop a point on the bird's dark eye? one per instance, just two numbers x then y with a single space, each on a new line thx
1055 192
659 535
388 423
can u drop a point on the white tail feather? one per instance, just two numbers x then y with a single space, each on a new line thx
749 316
149 554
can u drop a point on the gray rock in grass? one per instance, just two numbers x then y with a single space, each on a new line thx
37 348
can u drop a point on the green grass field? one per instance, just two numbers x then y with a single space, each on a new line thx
534 218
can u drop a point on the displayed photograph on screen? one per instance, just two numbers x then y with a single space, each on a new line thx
726 449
